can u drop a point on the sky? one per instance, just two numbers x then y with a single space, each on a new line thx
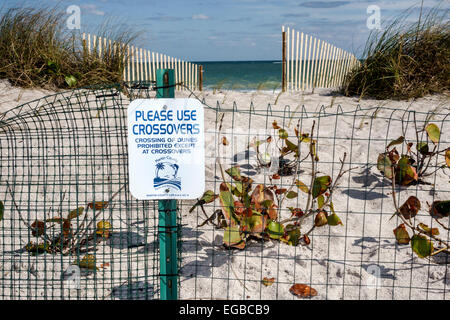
236 30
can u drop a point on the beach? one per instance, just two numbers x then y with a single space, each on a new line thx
357 260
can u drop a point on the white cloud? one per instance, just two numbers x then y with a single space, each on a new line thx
92 8
200 16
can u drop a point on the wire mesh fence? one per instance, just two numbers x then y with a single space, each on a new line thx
256 235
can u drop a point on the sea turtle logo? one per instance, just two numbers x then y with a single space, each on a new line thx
166 171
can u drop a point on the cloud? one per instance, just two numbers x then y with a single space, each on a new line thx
295 15
200 16
92 8
323 4
164 18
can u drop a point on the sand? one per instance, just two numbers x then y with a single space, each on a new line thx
357 260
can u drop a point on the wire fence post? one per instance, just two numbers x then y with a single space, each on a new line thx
167 211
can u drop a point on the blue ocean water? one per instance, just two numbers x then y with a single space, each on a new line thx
242 75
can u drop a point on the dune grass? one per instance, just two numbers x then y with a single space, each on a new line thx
405 60
37 50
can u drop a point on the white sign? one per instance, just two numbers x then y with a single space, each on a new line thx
166 149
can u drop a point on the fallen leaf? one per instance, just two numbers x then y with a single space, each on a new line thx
401 234
98 205
303 290
225 141
268 281
410 208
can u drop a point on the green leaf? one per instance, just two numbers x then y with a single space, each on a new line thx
283 134
384 164
422 147
291 146
227 203
292 195
320 201
401 234
320 185
2 210
405 173
234 172
301 186
333 220
293 235
428 230
75 213
275 230
399 140
433 132
421 246
88 262
70 80
232 236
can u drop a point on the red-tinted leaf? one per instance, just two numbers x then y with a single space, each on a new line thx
410 208
401 234
303 290
268 281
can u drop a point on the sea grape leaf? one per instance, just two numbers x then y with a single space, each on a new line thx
291 195
2 210
207 197
98 205
433 132
36 249
384 164
320 185
399 140
256 223
405 173
402 235
320 201
283 134
292 235
232 237
275 230
428 230
38 228
234 172
410 208
75 213
321 219
421 246
423 148
440 209
303 290
275 125
268 281
227 204
88 262
333 220
301 186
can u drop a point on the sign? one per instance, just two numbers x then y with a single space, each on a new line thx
166 154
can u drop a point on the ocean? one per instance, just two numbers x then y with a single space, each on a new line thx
241 75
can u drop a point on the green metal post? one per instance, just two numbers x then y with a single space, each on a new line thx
167 212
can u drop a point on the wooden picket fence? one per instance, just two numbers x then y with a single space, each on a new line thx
310 63
141 64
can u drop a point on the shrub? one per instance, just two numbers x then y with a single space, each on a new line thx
404 60
37 51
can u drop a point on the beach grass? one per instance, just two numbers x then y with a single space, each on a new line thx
37 50
404 60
